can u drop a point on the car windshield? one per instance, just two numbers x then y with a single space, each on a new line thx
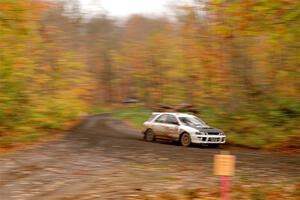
152 117
192 121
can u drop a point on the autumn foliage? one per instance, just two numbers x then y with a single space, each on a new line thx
236 61
42 81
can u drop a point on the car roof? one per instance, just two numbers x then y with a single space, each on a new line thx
175 113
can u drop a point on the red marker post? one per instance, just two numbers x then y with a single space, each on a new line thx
224 165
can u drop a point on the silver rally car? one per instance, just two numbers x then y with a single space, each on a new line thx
185 128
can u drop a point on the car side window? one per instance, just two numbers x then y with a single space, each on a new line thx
171 119
162 118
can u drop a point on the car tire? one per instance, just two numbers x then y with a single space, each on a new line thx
185 140
214 145
149 136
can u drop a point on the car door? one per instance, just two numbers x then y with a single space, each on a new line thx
172 127
159 126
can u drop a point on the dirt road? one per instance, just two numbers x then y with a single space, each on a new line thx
105 159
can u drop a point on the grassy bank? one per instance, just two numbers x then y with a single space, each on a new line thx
27 136
135 115
242 130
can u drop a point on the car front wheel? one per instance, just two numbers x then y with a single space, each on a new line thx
149 136
185 140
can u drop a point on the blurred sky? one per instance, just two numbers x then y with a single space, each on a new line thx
126 7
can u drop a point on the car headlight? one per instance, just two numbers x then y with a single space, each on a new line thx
201 133
221 133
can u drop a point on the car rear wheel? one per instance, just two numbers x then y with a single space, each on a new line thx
185 140
149 136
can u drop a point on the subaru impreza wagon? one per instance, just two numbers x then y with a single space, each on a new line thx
184 128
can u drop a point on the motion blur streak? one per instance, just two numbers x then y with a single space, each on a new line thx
236 62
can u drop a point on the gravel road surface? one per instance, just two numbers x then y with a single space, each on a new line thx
103 158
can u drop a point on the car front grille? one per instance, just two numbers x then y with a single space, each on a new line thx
213 133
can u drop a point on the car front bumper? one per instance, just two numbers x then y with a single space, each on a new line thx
209 139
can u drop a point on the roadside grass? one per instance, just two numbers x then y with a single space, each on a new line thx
242 130
136 115
17 138
100 110
26 136
18 141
